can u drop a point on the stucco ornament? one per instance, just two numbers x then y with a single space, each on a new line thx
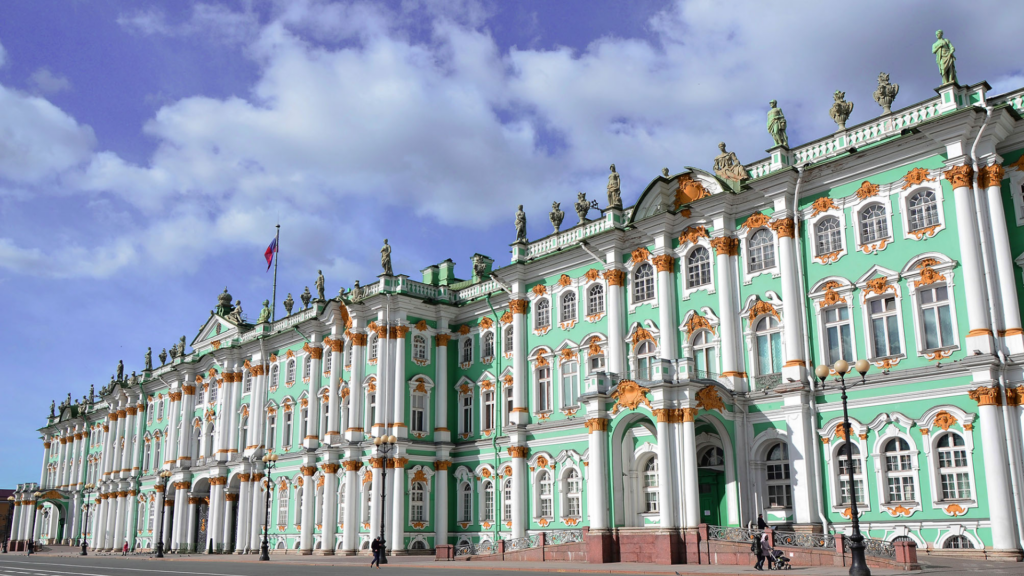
556 216
520 224
614 189
885 93
385 260
944 58
728 166
840 110
777 124
629 395
306 296
944 420
689 190
319 284
708 399
264 313
583 206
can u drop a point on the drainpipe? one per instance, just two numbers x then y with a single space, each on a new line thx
990 291
819 486
498 426
586 247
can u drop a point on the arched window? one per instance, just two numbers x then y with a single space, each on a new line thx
160 410
467 414
645 360
307 365
508 339
289 375
282 506
769 346
146 457
373 347
247 382
542 314
286 428
923 210
762 251
713 457
899 471
467 350
780 492
273 376
157 463
419 545
214 388
488 415
573 493
151 516
698 267
643 283
844 471
545 402
873 226
570 383
547 507
957 542
650 481
271 431
828 236
506 500
488 345
595 299
568 312
705 355
243 433
419 348
417 502
466 497
298 506
327 361
954 471
487 513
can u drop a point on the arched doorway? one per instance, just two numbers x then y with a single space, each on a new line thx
711 485
636 482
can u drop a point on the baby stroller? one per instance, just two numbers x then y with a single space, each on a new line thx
779 561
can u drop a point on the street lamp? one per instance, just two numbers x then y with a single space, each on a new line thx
10 515
32 531
269 461
86 493
384 446
164 476
858 564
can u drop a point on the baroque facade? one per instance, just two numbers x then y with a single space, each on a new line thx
637 375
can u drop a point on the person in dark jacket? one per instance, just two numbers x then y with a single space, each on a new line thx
375 548
764 551
761 524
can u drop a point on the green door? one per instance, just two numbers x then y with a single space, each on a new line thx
711 487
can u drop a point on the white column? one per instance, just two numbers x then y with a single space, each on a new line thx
520 371
118 521
329 515
616 317
441 431
242 529
109 432
597 473
355 431
46 461
375 503
99 537
400 389
384 375
190 531
181 508
188 407
138 420
520 478
350 530
126 452
666 495
665 265
158 514
308 504
333 433
216 531
230 500
61 462
728 314
1004 533
16 521
312 439
802 440
792 326
259 513
258 407
690 484
1012 333
440 482
121 442
980 335
173 424
397 497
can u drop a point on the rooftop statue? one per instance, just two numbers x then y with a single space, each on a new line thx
288 303
163 356
149 358
356 291
583 206
223 303
52 413
479 266
777 124
886 93
727 165
614 189
319 284
264 313
556 216
385 260
944 59
520 225
181 346
120 370
92 392
235 316
664 171
305 297
840 110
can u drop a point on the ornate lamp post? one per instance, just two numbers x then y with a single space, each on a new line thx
858 564
86 496
384 444
10 515
269 461
32 531
164 476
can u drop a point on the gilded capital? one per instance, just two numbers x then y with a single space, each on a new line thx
664 263
243 477
959 176
1015 396
130 410
352 465
784 227
307 470
336 344
442 464
689 414
442 339
331 468
986 396
376 462
990 176
188 390
596 425
159 487
518 451
518 306
724 245
218 481
399 462
615 277
359 339
401 331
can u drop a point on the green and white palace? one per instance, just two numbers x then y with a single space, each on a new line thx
621 381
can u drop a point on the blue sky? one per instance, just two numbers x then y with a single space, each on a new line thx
148 148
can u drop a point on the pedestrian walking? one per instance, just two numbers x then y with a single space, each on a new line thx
763 552
124 549
375 547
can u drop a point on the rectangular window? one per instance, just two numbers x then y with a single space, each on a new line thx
769 353
303 418
416 507
838 331
488 398
901 489
780 496
467 506
956 486
271 431
489 505
371 407
467 414
938 324
419 402
544 391
596 363
287 429
885 330
844 491
570 384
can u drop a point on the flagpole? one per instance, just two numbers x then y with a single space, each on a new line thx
277 256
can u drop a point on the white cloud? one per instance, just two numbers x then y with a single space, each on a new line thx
39 141
47 82
214 21
3 56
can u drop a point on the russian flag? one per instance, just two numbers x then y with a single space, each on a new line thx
269 254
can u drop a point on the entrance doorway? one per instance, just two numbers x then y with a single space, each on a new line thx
711 486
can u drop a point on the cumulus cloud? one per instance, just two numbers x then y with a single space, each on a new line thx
47 82
420 109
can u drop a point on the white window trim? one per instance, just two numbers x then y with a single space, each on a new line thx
556 375
479 388
481 504
833 455
904 197
537 496
927 420
878 245
428 387
817 296
892 278
571 323
583 306
460 342
562 511
426 334
631 356
630 268
716 340
481 332
744 257
460 509
812 240
912 275
750 336
370 379
428 490
882 476
683 253
532 317
463 389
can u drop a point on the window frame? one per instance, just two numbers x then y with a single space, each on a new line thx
786 482
863 244
634 287
568 312
839 475
881 455
913 275
905 197
593 315
753 234
541 309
